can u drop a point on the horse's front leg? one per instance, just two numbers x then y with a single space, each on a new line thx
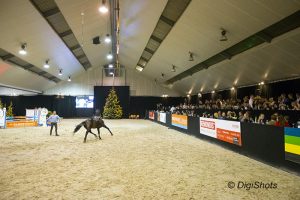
85 136
93 134
108 129
98 129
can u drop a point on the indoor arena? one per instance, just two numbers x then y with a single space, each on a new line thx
149 99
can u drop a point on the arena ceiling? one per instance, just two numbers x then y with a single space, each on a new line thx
198 30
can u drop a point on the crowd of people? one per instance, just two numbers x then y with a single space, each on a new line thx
241 109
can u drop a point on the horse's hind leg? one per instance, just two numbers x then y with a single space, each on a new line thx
107 129
93 133
85 136
98 129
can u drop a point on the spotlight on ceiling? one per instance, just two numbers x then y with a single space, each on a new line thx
107 39
23 49
109 56
110 66
173 68
191 56
103 8
139 68
69 79
60 72
223 35
46 65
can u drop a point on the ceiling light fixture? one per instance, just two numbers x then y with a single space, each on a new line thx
60 72
69 79
46 65
107 39
223 35
191 56
139 68
103 8
109 56
23 49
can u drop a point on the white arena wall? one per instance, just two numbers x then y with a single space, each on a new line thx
84 84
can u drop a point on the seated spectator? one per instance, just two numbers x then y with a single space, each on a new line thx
281 122
273 120
261 119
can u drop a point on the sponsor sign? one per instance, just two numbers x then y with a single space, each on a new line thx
43 117
179 121
228 131
151 115
292 144
162 117
2 117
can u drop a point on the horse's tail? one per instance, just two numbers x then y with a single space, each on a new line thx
78 126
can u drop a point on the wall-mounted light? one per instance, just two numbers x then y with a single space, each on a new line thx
69 79
109 56
213 92
23 49
165 95
60 72
46 65
173 68
191 56
107 39
188 95
223 35
232 88
103 7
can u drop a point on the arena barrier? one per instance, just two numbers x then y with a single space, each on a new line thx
34 117
3 118
277 146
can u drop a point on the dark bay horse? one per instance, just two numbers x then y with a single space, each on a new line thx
95 122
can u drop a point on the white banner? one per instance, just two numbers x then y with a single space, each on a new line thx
2 117
208 127
162 117
43 117
228 131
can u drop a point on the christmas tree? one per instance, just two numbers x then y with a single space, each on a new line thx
1 105
9 112
112 108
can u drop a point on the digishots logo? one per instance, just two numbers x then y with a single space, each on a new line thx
251 185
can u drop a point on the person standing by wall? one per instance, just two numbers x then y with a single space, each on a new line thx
53 119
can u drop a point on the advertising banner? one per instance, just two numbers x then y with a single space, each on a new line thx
180 121
162 117
151 115
42 118
228 131
2 117
292 144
